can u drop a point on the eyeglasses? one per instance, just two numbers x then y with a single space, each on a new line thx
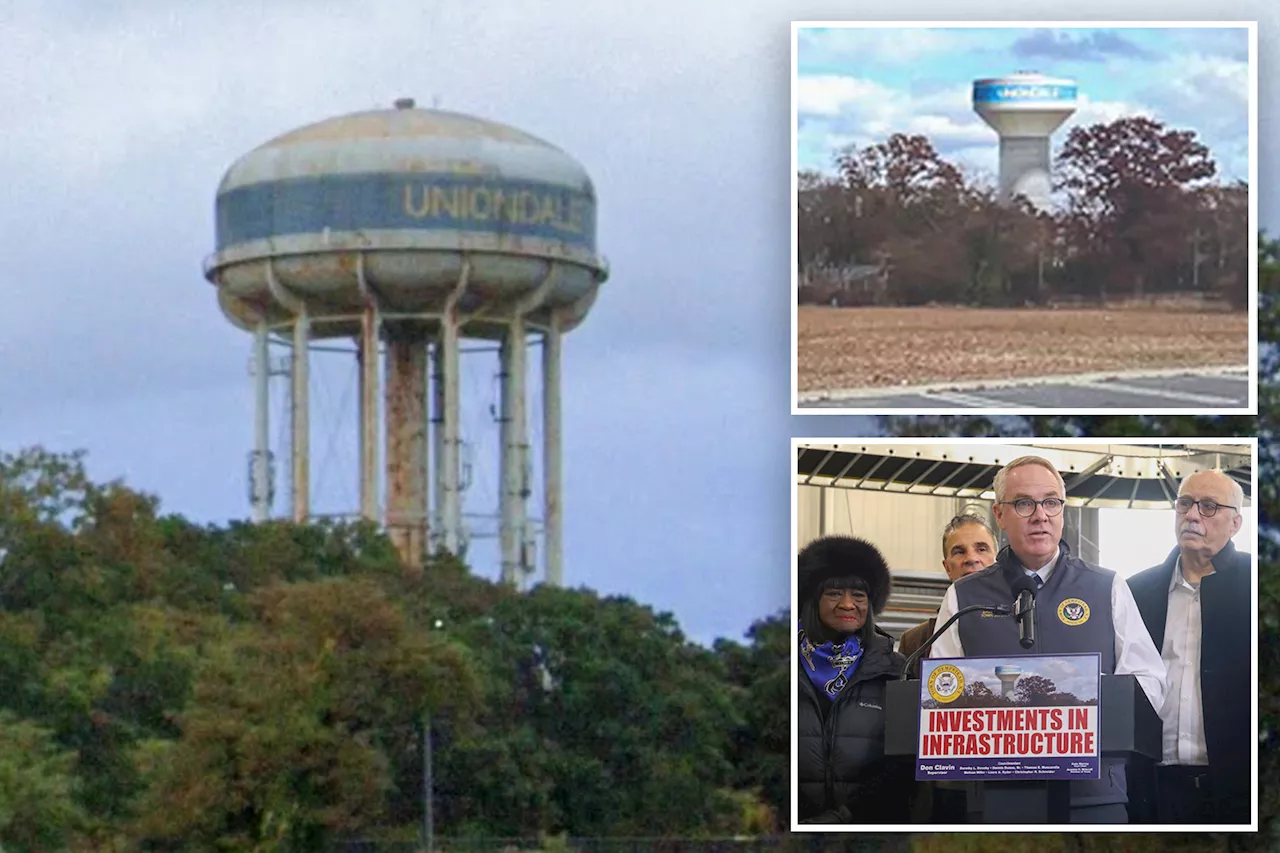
1025 507
1208 508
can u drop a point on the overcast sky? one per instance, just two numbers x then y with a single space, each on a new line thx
859 86
121 118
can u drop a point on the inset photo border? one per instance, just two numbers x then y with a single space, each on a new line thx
976 224
883 513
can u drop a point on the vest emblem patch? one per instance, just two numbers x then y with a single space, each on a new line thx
946 683
1073 611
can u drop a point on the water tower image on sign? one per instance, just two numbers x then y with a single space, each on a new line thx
1008 676
1025 109
404 231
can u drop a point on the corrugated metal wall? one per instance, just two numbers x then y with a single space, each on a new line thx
906 528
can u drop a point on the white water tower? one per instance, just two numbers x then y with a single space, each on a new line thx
1025 109
1008 676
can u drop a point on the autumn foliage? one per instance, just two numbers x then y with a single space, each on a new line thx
1140 216
167 686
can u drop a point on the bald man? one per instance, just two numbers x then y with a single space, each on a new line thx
1197 606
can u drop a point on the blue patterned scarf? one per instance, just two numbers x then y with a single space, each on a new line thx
829 665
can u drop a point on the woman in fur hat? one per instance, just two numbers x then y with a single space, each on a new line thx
844 775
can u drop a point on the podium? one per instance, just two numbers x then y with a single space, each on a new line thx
1128 728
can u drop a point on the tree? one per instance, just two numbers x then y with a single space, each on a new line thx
293 720
1143 218
1130 188
1034 690
907 168
38 807
760 675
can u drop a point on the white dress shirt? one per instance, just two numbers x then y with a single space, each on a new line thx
1182 713
1135 652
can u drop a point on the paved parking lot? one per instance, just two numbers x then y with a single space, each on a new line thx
1219 388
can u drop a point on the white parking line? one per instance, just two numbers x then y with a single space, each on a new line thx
1185 396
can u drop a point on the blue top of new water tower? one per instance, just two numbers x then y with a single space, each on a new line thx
1024 87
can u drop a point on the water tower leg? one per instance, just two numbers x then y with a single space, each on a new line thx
523 548
512 343
551 451
369 422
436 481
516 470
406 415
450 475
299 401
448 469
299 411
261 488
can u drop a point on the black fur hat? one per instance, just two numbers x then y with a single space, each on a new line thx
843 556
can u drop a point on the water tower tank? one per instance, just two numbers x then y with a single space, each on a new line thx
1025 109
406 230
401 197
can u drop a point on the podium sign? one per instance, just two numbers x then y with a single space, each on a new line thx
1010 718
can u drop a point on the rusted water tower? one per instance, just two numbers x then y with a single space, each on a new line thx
407 230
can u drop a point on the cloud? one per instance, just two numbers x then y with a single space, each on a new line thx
1089 112
831 94
1097 46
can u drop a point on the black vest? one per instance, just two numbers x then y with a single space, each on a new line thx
1073 616
1073 610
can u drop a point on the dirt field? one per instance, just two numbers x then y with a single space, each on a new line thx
844 348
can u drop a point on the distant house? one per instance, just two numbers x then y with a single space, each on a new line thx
853 284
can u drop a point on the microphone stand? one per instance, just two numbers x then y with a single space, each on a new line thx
997 609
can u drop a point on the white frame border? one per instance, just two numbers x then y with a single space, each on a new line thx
1250 443
1251 26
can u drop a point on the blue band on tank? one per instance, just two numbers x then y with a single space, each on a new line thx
987 93
414 200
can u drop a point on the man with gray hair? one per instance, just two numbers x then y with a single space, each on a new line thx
968 546
1197 605
1083 608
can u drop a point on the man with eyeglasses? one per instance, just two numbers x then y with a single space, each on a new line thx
1080 609
1197 605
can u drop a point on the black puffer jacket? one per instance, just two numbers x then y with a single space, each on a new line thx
841 759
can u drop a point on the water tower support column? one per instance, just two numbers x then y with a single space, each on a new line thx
448 493
551 500
512 380
261 423
299 400
552 496
300 412
406 415
435 384
370 322
515 431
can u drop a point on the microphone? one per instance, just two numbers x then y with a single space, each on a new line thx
1024 593
997 609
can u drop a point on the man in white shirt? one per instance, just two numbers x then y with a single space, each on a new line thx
1030 498
1197 604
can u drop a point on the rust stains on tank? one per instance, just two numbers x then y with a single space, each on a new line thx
390 124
